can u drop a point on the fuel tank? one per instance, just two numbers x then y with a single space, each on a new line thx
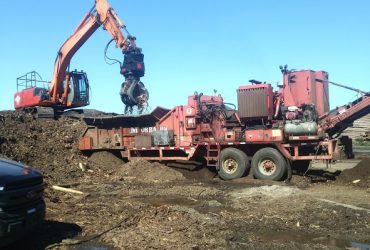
297 128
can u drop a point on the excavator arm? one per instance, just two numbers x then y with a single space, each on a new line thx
102 14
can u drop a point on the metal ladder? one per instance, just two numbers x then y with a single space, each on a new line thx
213 152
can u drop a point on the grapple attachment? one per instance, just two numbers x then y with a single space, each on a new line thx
133 93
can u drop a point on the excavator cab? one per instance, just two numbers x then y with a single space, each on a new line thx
78 89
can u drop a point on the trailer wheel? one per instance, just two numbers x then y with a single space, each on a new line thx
288 171
233 164
269 164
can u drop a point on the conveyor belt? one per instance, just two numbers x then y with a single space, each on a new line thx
343 117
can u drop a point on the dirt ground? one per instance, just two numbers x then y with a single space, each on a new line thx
144 205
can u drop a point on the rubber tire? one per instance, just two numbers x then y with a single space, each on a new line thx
288 171
273 155
241 159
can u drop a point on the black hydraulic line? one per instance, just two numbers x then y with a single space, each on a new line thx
113 61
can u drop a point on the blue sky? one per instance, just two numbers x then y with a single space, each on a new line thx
193 45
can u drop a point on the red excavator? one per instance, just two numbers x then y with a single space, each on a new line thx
70 89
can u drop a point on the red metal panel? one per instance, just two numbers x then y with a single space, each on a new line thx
177 120
143 141
193 102
299 88
26 98
307 87
86 143
264 135
322 92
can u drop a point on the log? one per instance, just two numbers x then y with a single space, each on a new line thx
67 190
359 129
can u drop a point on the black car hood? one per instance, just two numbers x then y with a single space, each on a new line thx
13 171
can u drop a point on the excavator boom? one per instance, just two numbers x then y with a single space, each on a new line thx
101 14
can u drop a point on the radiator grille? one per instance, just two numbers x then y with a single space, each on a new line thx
255 102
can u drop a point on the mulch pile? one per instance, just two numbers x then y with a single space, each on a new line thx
46 144
51 146
358 176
